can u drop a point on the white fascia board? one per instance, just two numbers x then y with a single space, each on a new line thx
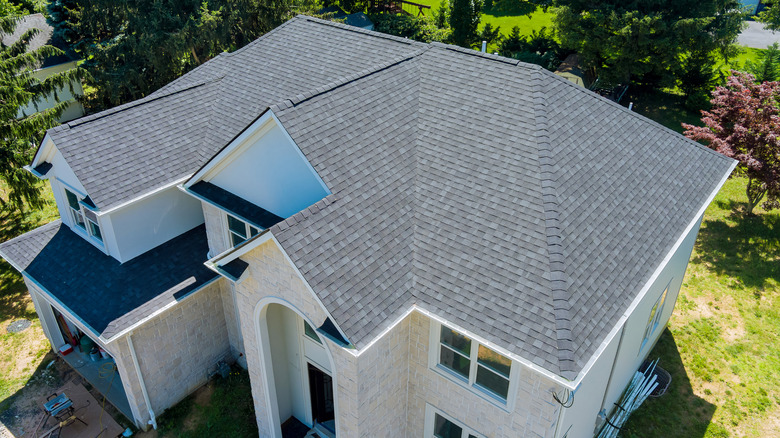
226 155
43 152
231 254
646 288
144 196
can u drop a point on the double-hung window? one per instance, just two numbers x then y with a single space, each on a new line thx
654 319
82 217
439 425
239 230
475 364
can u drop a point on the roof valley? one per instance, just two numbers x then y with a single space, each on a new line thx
558 278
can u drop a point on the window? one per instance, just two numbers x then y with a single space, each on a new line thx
310 332
239 230
439 425
475 364
82 217
655 318
75 209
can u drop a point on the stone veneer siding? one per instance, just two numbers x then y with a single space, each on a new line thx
176 350
214 219
383 390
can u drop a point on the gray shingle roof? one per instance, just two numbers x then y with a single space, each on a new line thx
133 149
108 295
491 192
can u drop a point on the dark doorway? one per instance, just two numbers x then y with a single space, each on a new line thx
321 389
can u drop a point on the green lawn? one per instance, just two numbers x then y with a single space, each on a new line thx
523 14
722 346
20 353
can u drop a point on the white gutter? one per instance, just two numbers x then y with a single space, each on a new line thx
153 420
144 196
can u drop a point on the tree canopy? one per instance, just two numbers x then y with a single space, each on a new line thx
464 20
644 40
19 132
743 124
133 47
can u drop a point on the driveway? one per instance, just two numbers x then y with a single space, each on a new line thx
756 36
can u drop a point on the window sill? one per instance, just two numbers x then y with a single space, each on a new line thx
476 389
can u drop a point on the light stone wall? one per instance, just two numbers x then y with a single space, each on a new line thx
271 276
534 415
231 321
215 231
383 391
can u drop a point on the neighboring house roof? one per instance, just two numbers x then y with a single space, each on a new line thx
488 191
171 133
107 295
44 37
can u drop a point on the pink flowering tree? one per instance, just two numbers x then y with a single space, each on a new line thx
744 124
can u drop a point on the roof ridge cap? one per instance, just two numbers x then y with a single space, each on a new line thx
558 278
478 54
135 103
303 97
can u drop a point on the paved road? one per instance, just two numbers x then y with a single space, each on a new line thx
756 36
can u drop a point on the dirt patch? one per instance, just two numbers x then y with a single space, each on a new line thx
21 413
202 397
734 333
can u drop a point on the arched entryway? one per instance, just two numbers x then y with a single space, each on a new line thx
298 370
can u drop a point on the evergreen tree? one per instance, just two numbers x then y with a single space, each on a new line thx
133 47
464 21
767 67
643 40
62 17
19 132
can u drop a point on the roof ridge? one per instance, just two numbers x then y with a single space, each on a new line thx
643 119
477 53
134 104
303 97
558 278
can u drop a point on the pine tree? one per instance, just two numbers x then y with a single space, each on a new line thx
464 21
767 67
20 133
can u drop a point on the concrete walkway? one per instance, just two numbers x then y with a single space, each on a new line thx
756 36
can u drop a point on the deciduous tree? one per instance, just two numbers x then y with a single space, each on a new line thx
744 124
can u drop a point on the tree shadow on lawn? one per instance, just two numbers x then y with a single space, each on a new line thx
746 248
679 412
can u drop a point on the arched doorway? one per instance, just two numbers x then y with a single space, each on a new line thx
299 373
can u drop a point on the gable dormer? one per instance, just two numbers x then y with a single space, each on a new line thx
122 232
260 178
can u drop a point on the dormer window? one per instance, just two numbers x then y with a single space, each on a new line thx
82 217
75 209
239 230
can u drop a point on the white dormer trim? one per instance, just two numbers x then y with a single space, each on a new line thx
45 152
245 139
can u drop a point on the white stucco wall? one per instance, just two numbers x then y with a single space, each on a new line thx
271 172
149 222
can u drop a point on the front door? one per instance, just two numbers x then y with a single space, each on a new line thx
321 390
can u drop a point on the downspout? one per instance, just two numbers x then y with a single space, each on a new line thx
153 420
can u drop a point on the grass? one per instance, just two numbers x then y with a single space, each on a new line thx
224 408
722 345
508 14
20 353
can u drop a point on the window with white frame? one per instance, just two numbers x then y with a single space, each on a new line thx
75 209
655 318
82 217
474 363
440 425
239 230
